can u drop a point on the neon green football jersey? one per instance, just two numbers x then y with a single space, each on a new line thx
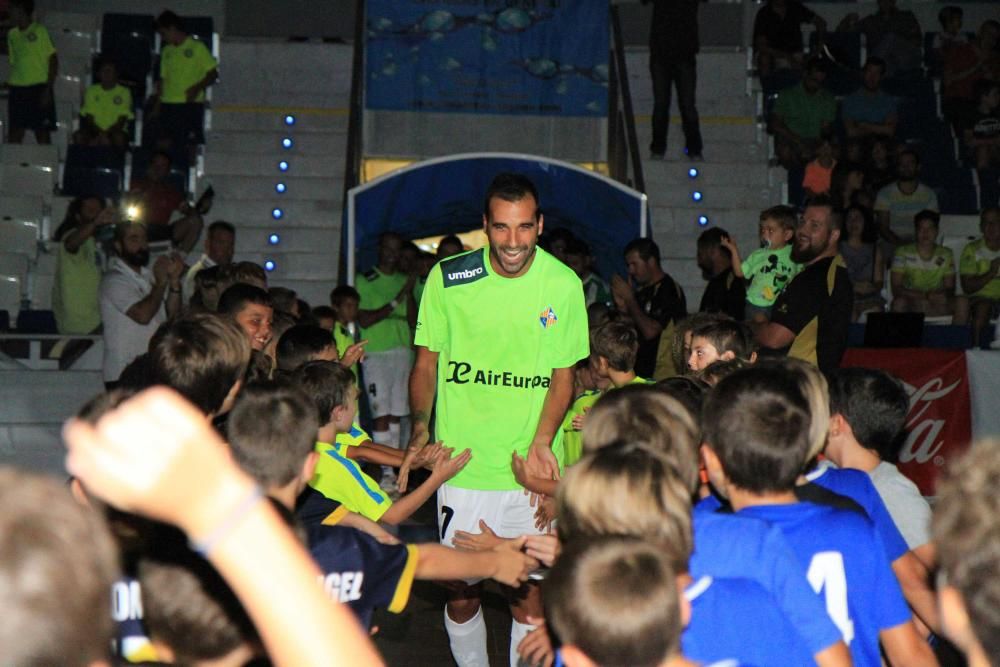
498 341
376 290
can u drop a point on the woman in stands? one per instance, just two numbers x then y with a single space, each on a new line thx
78 270
863 257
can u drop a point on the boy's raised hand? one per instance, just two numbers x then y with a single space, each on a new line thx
483 541
417 457
513 565
353 354
544 548
447 466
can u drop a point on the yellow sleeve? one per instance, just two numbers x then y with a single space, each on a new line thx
405 584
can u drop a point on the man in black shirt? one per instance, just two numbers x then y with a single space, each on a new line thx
811 317
673 44
655 302
725 293
777 34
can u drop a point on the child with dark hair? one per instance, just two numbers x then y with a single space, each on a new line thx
251 308
757 432
204 357
345 302
769 268
868 410
271 434
340 479
722 340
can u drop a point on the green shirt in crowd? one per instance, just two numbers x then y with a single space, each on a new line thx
376 290
75 289
768 271
29 51
975 261
105 106
923 274
181 67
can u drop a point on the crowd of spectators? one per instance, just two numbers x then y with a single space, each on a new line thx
700 498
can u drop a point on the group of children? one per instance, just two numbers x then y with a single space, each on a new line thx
695 527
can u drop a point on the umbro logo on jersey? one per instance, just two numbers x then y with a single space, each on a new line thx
548 318
466 274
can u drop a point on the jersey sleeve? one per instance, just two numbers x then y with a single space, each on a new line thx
949 263
795 306
88 102
431 322
899 260
45 42
205 59
389 571
127 96
967 264
750 265
339 478
891 609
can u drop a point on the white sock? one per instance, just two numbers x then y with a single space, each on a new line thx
468 640
518 631
394 435
382 438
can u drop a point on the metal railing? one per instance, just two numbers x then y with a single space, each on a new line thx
624 157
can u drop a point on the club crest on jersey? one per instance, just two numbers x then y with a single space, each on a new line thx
548 318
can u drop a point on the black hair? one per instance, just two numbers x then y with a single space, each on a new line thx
300 344
510 187
875 404
236 296
646 247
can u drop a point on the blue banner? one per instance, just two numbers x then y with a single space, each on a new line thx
527 57
445 196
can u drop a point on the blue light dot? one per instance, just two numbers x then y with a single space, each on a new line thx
702 220
274 239
693 172
277 213
280 188
269 265
287 142
696 195
289 119
283 165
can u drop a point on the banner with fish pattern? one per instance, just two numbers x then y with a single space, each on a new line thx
523 57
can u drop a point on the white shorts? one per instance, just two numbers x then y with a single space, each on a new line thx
387 380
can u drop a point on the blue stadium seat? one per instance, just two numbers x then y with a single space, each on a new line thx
36 322
129 40
94 156
845 47
89 181
4 320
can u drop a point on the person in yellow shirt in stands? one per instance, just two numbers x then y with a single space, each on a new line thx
187 69
107 108
33 69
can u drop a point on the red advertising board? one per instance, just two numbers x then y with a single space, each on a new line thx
939 424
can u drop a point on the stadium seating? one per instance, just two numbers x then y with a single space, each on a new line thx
20 237
10 293
99 181
72 22
27 179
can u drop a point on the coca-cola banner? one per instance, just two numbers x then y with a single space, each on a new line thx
939 424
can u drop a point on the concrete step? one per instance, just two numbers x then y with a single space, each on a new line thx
713 128
661 172
281 74
273 120
220 163
256 239
298 265
296 187
332 142
257 211
714 196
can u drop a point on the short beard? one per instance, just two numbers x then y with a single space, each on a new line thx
140 258
805 255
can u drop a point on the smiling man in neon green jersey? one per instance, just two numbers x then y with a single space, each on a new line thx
499 332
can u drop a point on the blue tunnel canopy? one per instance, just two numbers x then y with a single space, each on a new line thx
445 196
